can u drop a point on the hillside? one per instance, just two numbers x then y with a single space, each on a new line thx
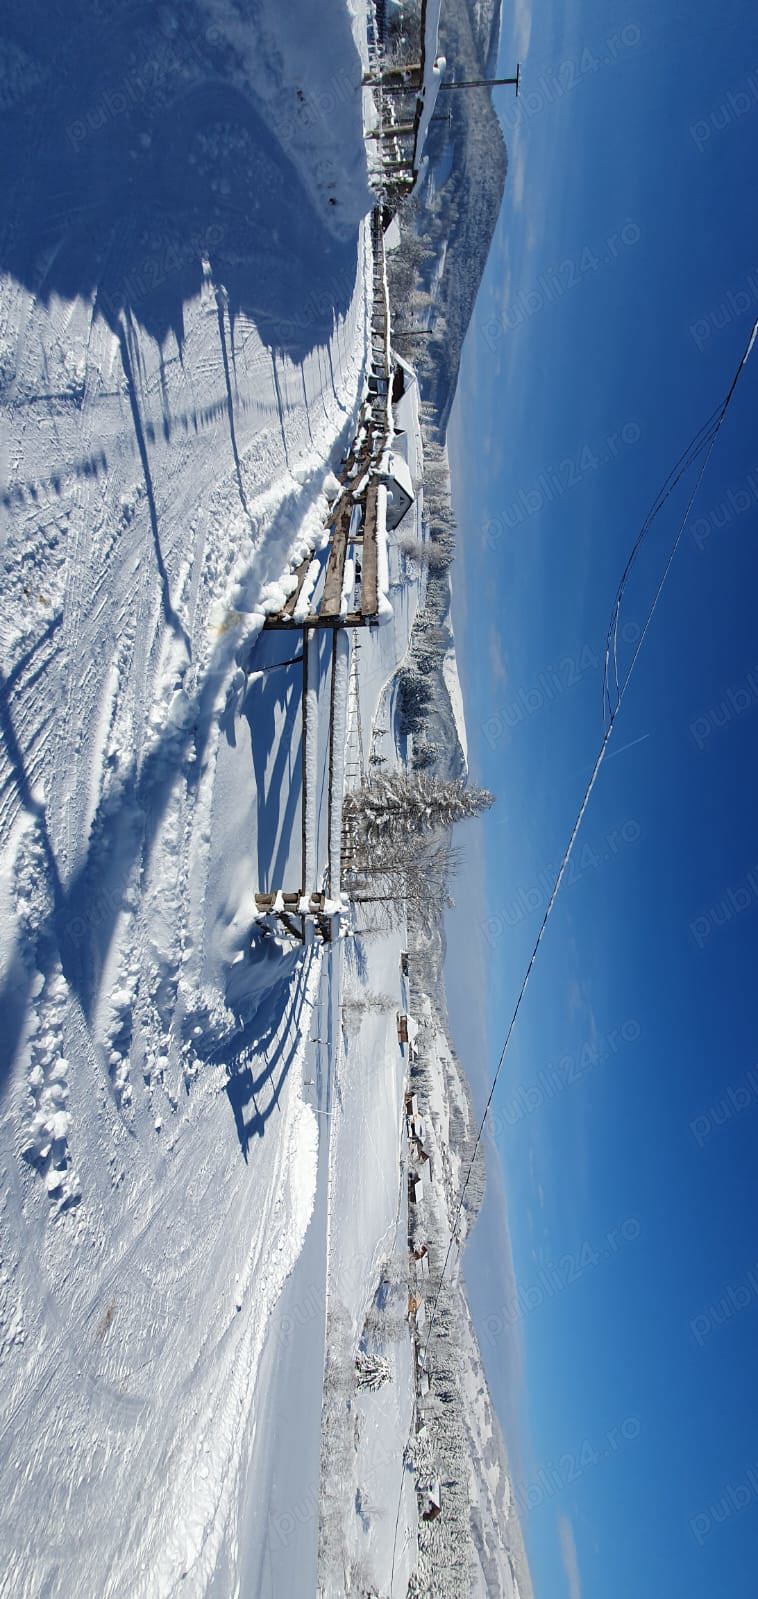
447 226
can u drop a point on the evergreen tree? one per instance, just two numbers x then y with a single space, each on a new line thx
399 804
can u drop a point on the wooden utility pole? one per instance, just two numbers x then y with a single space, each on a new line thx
397 130
484 83
304 886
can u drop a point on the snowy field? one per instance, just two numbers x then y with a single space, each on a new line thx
203 1199
183 340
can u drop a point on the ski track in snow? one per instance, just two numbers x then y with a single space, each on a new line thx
157 1158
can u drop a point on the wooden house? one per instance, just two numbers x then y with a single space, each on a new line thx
432 1501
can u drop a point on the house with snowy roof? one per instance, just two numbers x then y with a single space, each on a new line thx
415 1125
432 1501
416 1311
407 1029
421 1259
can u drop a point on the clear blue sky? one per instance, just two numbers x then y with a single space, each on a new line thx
618 297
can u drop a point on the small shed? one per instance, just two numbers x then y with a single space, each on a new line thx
415 1188
422 1262
432 1500
399 484
417 1310
411 1104
404 378
407 1028
421 1154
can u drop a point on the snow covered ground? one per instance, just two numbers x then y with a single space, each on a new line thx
202 1202
368 1505
183 338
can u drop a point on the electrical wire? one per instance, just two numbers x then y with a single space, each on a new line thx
703 441
711 438
699 442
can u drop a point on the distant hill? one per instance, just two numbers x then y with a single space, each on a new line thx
447 226
446 230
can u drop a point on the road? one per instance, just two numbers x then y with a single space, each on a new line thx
279 1506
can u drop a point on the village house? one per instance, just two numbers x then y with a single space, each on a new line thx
422 1372
407 1031
416 1311
421 1157
421 1259
432 1501
396 476
415 1128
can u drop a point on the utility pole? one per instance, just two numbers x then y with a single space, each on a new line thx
484 83
406 87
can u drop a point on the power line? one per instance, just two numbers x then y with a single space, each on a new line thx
705 439
699 442
711 437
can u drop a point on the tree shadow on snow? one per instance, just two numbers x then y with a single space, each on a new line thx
132 155
272 707
135 165
266 993
79 925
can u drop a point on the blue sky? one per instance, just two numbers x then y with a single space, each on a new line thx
619 294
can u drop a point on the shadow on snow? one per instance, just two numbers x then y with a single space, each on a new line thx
131 156
135 167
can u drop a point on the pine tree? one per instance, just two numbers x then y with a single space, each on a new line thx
402 804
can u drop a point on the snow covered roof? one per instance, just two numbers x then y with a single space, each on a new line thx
412 1026
400 491
432 13
410 371
429 92
405 414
